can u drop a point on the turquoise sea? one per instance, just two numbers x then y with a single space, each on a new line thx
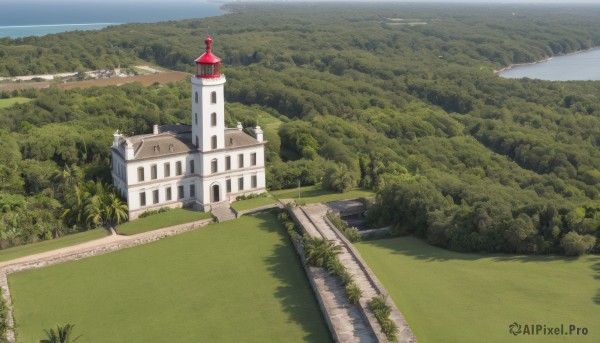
22 18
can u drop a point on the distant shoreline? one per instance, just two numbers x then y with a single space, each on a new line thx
546 59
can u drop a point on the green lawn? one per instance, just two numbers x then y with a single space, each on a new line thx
35 248
314 194
11 101
236 281
161 220
454 297
243 205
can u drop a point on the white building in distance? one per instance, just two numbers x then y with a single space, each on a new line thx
201 165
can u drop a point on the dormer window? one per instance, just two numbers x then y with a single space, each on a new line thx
157 148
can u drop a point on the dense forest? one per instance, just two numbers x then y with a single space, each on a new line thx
398 98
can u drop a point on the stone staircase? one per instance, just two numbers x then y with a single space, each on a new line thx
222 212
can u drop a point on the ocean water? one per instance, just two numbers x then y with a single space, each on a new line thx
578 66
21 18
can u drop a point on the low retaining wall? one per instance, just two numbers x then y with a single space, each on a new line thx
256 210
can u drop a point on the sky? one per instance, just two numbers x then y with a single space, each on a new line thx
413 1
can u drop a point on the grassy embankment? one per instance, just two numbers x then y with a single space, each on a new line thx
39 247
455 297
158 221
236 281
314 194
4 103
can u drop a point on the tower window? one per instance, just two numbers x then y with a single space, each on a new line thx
214 165
192 167
196 97
196 118
140 174
213 119
213 97
213 142
197 142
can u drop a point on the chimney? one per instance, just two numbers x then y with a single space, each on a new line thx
239 126
116 137
259 133
128 150
155 129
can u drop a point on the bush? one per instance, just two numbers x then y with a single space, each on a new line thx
153 212
350 232
353 292
319 251
574 244
4 327
382 311
251 196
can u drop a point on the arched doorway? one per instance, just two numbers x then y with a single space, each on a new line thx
215 194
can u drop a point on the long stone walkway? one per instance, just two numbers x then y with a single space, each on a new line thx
361 324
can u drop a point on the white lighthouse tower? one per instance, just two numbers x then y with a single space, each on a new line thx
208 103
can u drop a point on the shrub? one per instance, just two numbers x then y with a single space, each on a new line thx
382 311
319 251
353 292
4 327
350 232
153 212
251 196
575 244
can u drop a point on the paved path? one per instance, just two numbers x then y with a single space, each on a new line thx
313 218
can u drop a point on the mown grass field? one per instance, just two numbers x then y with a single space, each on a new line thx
158 221
248 204
314 194
39 247
4 103
453 297
236 281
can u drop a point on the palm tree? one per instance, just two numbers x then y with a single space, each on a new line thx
63 334
319 251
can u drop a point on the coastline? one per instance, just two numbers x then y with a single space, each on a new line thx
546 59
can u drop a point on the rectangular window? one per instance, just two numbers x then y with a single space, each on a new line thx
155 196
241 184
253 181
241 161
192 191
143 199
213 142
153 172
227 162
167 169
168 194
178 168
214 166
192 167
228 185
253 159
140 174
180 194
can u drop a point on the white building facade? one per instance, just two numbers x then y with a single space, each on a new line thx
202 165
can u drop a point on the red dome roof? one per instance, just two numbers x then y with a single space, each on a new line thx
208 57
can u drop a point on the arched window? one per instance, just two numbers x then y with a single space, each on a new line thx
213 142
213 119
213 97
196 118
214 167
196 97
